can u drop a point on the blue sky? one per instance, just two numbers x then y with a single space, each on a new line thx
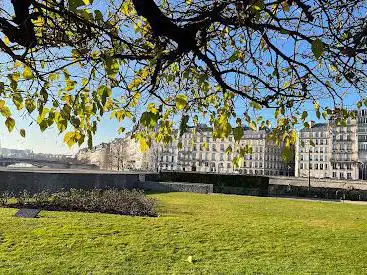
52 142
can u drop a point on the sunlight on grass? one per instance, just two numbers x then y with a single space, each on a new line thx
194 234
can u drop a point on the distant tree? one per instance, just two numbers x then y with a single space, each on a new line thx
69 62
118 156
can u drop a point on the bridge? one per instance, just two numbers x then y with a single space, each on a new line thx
58 164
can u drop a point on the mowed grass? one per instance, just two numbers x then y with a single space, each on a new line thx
223 234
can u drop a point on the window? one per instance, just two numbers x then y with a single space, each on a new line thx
334 174
213 156
349 176
228 165
222 147
214 147
341 175
321 166
301 166
316 166
221 156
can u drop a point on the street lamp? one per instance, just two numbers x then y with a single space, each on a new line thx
309 166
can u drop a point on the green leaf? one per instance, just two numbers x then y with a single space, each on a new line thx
18 100
183 124
121 130
27 73
112 66
304 115
98 15
22 132
229 150
74 4
238 133
30 105
5 111
258 5
10 124
317 48
44 94
287 154
234 57
181 102
149 119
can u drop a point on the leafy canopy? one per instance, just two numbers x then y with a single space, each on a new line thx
68 63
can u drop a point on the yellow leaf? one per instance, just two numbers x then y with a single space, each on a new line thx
181 102
6 41
27 73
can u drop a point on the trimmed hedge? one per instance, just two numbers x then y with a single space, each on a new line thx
222 183
113 201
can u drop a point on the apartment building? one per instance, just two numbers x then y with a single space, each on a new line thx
327 150
201 152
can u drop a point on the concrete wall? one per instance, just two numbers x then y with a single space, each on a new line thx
17 181
176 187
37 181
320 188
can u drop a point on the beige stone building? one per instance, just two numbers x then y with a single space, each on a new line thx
201 152
98 155
119 155
330 151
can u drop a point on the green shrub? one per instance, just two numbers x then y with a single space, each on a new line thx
4 197
123 202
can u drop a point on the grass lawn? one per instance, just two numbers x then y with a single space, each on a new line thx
223 234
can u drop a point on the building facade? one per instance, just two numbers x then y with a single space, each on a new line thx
201 152
119 155
332 151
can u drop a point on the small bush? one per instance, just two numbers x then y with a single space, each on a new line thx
4 197
123 202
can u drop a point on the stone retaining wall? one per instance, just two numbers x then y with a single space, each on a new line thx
320 188
176 187
36 181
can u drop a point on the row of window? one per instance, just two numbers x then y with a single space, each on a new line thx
314 150
317 141
313 158
314 134
347 166
341 175
316 166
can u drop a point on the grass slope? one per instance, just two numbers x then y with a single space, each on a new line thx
223 234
